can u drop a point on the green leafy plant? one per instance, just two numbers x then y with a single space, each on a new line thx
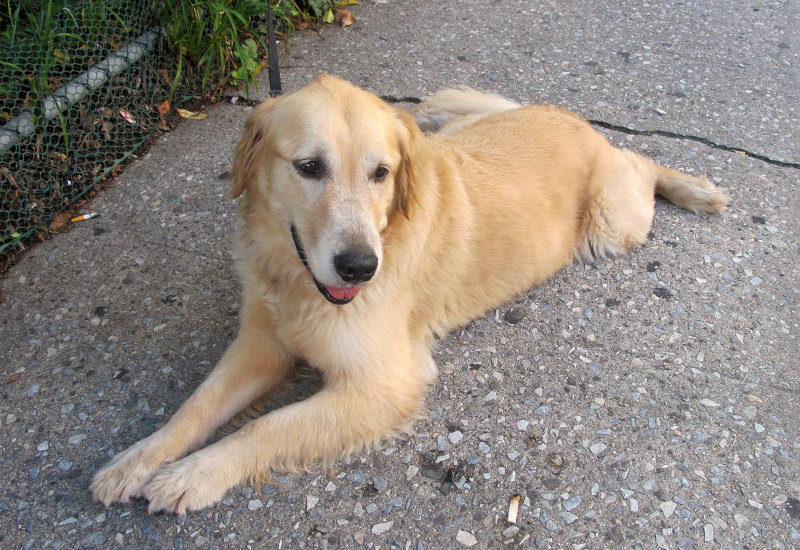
216 37
225 40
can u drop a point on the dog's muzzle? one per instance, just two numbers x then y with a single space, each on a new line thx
352 266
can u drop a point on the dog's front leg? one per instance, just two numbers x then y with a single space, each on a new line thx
254 364
343 416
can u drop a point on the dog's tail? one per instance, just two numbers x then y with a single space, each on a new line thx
691 193
458 103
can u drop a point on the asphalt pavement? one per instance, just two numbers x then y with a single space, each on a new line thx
649 401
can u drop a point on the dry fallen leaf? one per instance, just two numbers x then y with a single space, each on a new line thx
59 222
345 18
191 114
163 109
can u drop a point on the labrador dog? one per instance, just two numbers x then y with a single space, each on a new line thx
364 232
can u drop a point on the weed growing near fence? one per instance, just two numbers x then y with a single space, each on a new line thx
223 40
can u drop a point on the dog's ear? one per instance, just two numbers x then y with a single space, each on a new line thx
253 138
409 136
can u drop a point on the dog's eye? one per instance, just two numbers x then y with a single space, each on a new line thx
380 173
311 169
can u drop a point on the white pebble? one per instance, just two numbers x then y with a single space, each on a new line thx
708 532
598 448
466 538
455 437
380 528
667 508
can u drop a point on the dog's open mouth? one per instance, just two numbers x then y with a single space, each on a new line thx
335 295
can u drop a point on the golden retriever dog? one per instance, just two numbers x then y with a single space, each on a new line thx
360 239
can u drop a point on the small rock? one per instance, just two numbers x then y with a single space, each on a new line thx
379 483
455 437
466 538
572 503
709 403
311 501
411 472
510 532
76 439
93 539
359 535
356 477
598 448
667 508
255 504
708 532
568 517
380 528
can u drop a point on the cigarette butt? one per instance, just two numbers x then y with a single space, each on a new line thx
513 508
84 217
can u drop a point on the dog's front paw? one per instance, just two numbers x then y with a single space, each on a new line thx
128 472
193 483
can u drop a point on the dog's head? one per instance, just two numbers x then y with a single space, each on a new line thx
333 164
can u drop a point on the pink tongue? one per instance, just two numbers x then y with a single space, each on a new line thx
343 293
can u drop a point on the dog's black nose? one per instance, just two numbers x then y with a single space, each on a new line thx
355 266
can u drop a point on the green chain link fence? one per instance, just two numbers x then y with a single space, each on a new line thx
80 87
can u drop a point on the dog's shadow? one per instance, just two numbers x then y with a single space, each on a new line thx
304 382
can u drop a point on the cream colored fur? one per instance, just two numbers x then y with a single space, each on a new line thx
460 222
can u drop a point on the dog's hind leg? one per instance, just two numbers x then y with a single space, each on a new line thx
253 364
621 212
695 194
